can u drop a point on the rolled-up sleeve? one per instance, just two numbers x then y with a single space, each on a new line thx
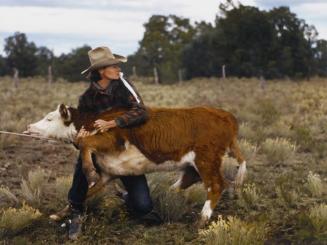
137 112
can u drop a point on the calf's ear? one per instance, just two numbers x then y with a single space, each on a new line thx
65 114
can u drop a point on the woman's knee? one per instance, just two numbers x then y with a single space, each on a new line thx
143 207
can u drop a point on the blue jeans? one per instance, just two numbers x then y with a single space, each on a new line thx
138 200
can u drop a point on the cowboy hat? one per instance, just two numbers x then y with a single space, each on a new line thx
101 57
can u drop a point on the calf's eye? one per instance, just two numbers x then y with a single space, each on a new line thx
49 120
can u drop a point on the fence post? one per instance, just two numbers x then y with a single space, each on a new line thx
134 71
156 77
263 83
16 77
50 78
180 76
223 71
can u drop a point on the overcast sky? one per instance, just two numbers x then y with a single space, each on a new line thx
62 25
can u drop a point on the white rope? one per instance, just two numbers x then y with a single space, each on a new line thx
26 135
129 87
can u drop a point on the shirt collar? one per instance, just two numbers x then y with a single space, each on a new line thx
107 90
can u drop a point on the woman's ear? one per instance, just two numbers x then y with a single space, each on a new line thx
101 71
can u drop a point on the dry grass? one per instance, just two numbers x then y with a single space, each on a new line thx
32 187
249 196
272 122
61 187
14 220
315 185
278 150
234 231
8 194
318 218
170 204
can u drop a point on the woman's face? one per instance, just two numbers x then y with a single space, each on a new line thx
110 72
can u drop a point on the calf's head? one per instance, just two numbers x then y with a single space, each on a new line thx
56 124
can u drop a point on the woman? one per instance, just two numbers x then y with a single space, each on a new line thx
108 90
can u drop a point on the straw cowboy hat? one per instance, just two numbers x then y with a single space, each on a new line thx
101 57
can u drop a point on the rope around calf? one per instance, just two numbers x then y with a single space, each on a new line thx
31 136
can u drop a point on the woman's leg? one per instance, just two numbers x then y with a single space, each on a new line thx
138 200
78 190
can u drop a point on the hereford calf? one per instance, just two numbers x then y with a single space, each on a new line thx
192 140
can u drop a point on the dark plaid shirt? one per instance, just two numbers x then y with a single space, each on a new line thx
96 99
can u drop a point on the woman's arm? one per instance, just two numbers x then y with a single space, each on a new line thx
137 112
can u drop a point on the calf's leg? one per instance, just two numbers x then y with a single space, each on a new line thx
213 184
188 177
88 168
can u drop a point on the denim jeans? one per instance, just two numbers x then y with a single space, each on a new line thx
138 200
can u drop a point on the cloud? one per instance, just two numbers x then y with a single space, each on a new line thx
77 22
292 3
63 25
102 5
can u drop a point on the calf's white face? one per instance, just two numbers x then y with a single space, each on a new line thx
53 125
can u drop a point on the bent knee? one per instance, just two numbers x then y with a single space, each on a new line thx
142 208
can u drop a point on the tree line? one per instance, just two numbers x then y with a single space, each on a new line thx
247 41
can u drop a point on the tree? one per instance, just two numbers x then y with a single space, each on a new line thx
161 46
239 40
69 66
4 70
252 42
321 58
21 54
44 59
293 43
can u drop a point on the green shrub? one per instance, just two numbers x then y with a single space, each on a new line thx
234 231
7 193
318 218
249 196
31 189
303 137
196 194
248 150
278 150
267 111
286 196
286 190
61 188
14 220
169 204
314 185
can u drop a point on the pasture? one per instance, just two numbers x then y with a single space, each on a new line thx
283 135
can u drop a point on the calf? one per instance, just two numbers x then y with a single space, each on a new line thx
192 140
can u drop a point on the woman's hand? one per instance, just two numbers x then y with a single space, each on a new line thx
83 133
103 125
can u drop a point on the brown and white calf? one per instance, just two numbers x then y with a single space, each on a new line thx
192 140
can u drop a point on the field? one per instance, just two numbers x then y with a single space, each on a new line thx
283 134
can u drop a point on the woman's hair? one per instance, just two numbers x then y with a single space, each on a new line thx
95 76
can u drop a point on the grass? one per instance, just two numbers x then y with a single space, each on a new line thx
315 185
169 204
13 220
278 151
249 196
283 135
32 187
318 218
233 231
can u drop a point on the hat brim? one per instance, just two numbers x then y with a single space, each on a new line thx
118 59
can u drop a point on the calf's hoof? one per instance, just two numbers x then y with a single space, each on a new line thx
201 223
92 178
